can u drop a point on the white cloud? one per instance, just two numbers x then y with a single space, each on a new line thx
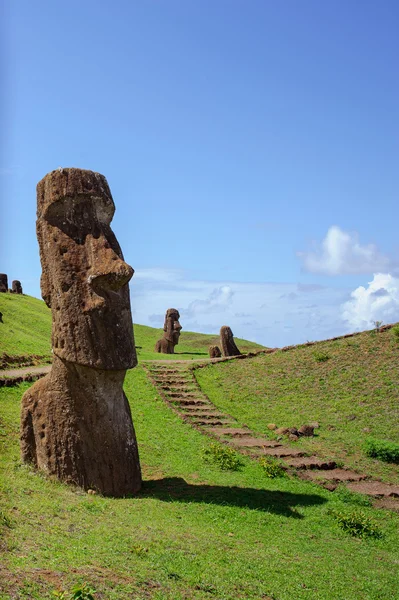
159 274
273 314
341 253
378 302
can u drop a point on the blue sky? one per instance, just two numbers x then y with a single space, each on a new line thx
251 149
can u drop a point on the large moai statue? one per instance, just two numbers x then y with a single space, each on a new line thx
214 352
229 347
16 287
76 422
172 328
3 283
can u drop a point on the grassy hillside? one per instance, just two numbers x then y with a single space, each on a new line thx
191 345
26 326
195 532
350 386
26 329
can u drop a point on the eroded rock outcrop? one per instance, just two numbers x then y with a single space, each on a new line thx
227 342
76 422
172 328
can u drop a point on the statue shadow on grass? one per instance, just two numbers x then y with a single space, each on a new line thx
176 489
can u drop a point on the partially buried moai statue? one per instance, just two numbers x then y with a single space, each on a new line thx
3 283
172 328
16 287
229 347
214 352
76 422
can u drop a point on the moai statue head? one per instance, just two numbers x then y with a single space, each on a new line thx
16 287
214 352
84 276
3 283
229 347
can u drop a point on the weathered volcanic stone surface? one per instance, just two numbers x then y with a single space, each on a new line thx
3 283
172 328
229 347
16 287
76 422
214 352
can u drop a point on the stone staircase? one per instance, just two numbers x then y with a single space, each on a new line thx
178 387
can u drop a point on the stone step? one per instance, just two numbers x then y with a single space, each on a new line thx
192 394
336 475
282 452
233 431
378 489
200 414
210 421
206 408
252 442
190 402
310 462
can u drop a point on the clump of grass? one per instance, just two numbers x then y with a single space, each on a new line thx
5 520
395 333
383 450
225 458
320 356
79 592
357 524
271 467
344 495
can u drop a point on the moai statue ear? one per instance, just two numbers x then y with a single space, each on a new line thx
45 288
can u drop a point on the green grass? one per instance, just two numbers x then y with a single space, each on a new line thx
26 330
195 531
352 395
26 327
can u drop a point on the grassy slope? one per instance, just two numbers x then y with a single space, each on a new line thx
26 326
191 345
195 532
26 329
352 394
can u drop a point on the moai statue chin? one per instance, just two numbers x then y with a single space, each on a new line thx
172 328
16 287
229 347
76 422
214 352
3 283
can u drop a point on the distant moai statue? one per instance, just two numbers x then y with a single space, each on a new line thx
76 422
3 283
227 342
16 287
172 328
214 352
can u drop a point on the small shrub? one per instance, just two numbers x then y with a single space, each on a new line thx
271 467
344 495
79 592
321 356
357 524
383 450
139 550
84 592
225 458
